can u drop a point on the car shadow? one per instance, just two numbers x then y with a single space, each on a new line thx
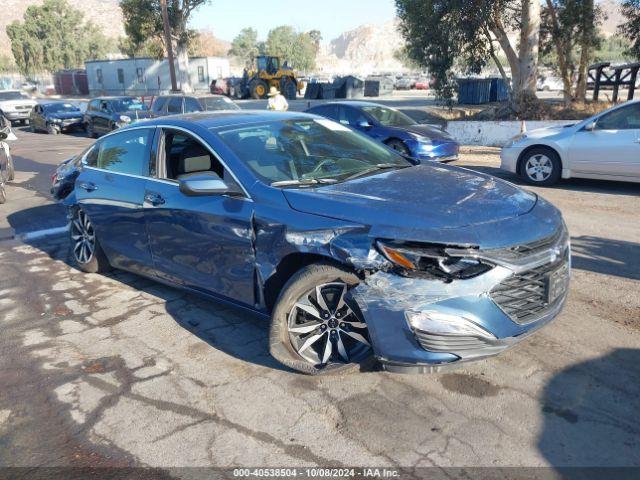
590 418
606 256
236 331
573 184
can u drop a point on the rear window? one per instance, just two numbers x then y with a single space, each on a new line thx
159 104
218 103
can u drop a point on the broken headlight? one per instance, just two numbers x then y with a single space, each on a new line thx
432 260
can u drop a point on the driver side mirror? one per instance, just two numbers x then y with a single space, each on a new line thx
364 125
590 127
205 183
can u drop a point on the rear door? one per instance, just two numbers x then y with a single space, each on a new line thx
612 148
202 242
110 189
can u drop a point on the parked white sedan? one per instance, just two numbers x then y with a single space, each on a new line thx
605 146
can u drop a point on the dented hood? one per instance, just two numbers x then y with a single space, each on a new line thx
422 197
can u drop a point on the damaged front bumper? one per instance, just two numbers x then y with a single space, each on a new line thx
424 325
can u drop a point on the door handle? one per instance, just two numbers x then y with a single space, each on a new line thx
154 199
637 140
88 186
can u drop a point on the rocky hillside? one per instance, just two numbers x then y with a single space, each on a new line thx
611 9
366 49
105 13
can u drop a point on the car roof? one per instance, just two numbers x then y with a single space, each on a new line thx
114 97
224 118
352 103
194 95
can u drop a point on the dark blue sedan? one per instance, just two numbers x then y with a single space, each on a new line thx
349 250
55 117
393 128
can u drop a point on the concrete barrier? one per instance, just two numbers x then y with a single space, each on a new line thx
493 133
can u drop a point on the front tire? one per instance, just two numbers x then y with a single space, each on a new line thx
540 166
399 146
85 248
90 131
258 89
3 193
317 327
52 129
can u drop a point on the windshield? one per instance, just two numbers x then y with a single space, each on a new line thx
217 103
61 107
128 104
308 151
12 96
389 117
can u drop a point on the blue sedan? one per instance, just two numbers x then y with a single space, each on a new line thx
349 250
393 128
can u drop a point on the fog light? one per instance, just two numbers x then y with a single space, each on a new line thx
440 323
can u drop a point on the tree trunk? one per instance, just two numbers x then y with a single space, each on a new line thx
562 50
183 66
586 41
525 89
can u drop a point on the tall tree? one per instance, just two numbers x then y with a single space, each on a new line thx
441 34
143 20
631 27
53 36
569 30
298 49
245 45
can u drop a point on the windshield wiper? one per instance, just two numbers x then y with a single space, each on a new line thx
304 182
376 168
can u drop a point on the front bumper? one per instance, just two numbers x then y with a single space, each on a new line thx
15 115
446 151
509 157
385 300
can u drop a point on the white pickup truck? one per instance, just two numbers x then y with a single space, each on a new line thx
15 105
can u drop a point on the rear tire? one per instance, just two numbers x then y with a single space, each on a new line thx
85 247
540 166
333 339
288 88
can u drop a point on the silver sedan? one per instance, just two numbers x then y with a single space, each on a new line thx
605 146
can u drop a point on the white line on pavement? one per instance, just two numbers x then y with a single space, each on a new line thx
47 232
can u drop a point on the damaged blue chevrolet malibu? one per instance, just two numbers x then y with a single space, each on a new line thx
352 251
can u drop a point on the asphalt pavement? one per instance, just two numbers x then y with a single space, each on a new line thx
115 370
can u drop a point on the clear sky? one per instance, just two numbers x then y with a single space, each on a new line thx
332 17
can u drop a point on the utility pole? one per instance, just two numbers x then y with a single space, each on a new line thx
169 44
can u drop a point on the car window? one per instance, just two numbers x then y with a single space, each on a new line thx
175 105
625 118
351 116
388 116
94 105
125 152
158 104
329 111
104 105
218 103
307 150
184 155
191 105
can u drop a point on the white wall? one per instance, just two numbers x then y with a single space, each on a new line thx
494 134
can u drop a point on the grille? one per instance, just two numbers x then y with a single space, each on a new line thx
450 343
527 296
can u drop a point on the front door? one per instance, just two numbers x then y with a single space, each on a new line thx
202 242
110 189
612 148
